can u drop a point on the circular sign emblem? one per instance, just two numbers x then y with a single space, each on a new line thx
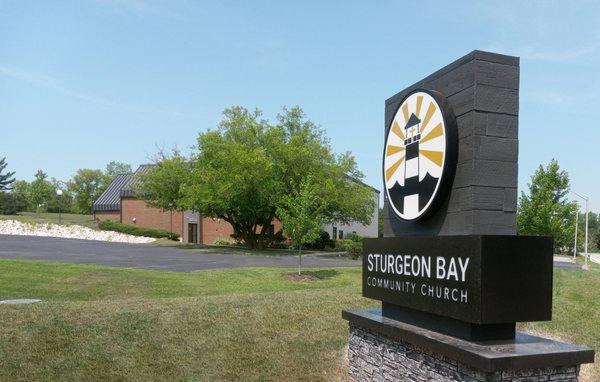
419 159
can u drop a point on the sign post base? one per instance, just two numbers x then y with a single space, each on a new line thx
384 349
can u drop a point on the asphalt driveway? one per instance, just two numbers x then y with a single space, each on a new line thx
147 256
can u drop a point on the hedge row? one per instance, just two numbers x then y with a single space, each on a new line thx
111 225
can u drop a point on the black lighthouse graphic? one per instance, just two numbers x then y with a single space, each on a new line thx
411 198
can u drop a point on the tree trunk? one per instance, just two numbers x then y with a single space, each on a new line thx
246 232
299 259
252 240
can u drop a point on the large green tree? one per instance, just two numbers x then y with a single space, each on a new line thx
243 170
40 191
545 209
115 168
6 177
86 186
593 231
20 191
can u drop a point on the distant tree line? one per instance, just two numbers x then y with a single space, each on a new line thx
39 195
545 208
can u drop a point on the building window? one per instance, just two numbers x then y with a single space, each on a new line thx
341 234
334 236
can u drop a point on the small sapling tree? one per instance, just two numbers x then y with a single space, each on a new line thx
302 214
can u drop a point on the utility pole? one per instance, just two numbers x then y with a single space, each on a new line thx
586 266
576 225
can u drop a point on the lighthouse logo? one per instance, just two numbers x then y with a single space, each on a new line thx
420 153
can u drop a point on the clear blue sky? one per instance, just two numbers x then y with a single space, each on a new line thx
86 82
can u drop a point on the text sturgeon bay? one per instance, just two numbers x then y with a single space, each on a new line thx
438 268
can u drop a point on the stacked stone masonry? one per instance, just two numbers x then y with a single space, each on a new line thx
373 357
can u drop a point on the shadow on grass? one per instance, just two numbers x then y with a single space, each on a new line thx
322 274
228 249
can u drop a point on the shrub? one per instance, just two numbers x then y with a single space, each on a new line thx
8 204
112 225
322 241
354 237
280 246
354 248
222 242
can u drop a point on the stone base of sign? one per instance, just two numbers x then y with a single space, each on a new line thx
382 349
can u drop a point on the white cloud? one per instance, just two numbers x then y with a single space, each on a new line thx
538 53
545 97
56 86
52 84
563 56
145 8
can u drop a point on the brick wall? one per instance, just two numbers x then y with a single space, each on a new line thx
150 217
211 229
217 229
107 215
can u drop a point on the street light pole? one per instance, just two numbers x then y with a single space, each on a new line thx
587 210
59 193
171 223
576 226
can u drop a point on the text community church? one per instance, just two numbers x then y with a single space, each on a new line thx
453 268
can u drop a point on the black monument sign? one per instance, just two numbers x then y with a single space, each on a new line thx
451 273
475 287
451 261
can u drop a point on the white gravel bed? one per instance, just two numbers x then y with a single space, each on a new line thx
13 227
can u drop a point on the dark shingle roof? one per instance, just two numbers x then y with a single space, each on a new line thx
129 189
121 186
110 200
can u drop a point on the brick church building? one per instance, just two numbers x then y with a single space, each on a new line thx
119 203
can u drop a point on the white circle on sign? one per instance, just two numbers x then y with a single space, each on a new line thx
415 155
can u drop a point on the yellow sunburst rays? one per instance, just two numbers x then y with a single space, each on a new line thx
396 129
392 149
428 115
419 103
405 112
435 156
392 169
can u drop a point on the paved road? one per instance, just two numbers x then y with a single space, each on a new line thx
146 256
565 262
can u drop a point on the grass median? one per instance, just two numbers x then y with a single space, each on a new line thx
103 323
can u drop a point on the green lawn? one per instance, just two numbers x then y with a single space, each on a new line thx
102 323
44 218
